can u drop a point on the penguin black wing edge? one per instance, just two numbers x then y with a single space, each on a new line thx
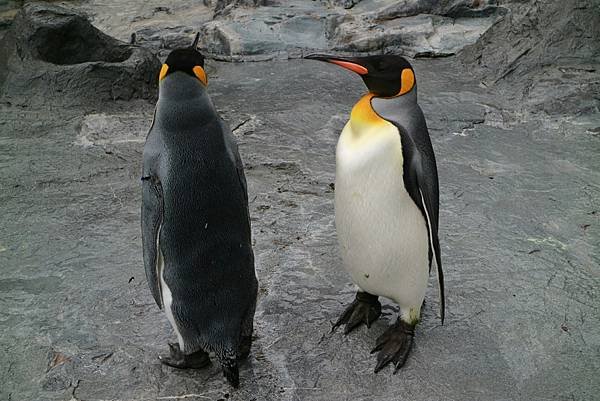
434 240
152 217
425 201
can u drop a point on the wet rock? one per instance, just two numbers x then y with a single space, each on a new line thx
345 3
418 35
164 39
447 8
515 196
406 8
8 10
99 129
262 34
51 52
467 8
223 7
520 221
258 30
294 29
545 55
157 30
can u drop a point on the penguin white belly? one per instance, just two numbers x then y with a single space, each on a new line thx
382 233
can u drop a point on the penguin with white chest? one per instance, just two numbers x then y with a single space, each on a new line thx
386 202
195 222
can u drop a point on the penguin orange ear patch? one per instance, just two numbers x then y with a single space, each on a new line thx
163 72
200 74
408 81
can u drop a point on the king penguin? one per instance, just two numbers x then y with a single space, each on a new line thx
195 222
386 202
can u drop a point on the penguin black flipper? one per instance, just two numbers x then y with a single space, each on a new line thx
421 181
152 214
435 243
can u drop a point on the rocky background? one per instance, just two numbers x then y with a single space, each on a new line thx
510 90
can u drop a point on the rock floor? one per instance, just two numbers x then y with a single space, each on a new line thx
519 228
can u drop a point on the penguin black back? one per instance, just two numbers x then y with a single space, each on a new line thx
195 221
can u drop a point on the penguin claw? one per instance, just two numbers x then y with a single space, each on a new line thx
344 318
364 309
177 359
380 342
394 346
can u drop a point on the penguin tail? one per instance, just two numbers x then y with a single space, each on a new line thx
230 370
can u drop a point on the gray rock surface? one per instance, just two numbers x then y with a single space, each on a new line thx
420 35
520 231
51 53
259 30
543 54
293 27
8 10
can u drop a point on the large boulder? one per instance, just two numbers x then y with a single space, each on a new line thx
51 53
419 35
265 29
544 54
292 28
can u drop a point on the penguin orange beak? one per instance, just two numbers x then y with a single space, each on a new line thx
344 62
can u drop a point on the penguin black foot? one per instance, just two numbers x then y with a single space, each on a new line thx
177 359
245 346
231 371
364 309
394 345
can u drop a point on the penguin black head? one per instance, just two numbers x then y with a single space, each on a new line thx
188 60
385 75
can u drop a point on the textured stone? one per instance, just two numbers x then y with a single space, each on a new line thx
260 33
253 30
519 225
54 53
419 35
294 29
520 234
544 55
8 10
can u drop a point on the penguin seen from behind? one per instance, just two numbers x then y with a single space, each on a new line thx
195 222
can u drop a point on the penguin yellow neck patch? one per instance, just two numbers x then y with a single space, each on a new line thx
200 74
408 81
163 72
363 113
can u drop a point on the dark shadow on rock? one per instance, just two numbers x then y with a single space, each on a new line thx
51 52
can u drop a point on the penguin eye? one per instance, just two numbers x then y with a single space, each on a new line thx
200 74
